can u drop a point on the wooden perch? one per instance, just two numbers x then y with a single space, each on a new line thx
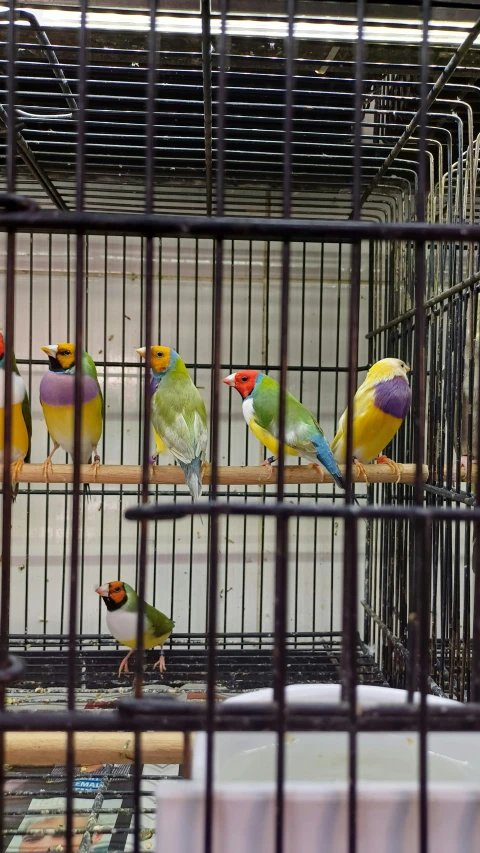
252 475
41 749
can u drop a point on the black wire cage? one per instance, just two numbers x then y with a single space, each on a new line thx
290 189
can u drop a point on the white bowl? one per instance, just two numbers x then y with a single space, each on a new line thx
323 756
316 788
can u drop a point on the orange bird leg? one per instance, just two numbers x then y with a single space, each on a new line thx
360 470
319 471
16 468
384 460
160 662
124 664
95 464
267 463
47 465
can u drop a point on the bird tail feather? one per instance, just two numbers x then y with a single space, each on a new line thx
193 476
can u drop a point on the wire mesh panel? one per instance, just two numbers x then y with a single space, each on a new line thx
291 191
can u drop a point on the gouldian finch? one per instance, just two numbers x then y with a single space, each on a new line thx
179 417
21 416
303 435
121 602
57 396
379 408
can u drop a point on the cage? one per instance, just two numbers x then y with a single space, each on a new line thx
290 189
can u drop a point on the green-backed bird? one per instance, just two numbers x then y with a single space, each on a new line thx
179 417
57 396
21 433
303 435
121 602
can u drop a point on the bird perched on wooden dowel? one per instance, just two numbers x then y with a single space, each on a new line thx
380 406
179 416
303 435
21 431
57 396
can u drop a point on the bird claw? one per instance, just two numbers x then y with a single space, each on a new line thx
463 467
360 471
95 466
16 469
316 467
160 663
47 468
123 667
153 462
384 460
267 463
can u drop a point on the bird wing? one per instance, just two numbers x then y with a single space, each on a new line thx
161 624
186 439
181 421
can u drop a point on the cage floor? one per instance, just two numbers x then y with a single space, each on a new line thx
103 794
238 669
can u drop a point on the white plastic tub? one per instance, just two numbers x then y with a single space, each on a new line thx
316 789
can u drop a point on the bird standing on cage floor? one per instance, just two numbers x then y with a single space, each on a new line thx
380 406
179 416
21 431
121 602
57 396
303 435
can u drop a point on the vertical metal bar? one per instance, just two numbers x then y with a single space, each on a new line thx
281 562
142 567
79 274
207 100
7 406
215 444
350 580
422 530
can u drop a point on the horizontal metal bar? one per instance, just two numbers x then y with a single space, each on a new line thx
174 716
159 512
254 228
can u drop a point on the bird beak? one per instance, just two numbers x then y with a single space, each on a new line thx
103 590
51 350
141 351
230 380
408 369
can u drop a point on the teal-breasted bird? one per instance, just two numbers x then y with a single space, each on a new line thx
303 435
121 602
57 396
179 417
379 408
21 433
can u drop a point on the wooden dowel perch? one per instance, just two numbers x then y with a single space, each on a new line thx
252 475
41 749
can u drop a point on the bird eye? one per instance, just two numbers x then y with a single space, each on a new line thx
160 354
244 378
66 352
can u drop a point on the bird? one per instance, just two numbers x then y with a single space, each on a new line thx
21 430
179 416
57 396
121 602
303 435
380 406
